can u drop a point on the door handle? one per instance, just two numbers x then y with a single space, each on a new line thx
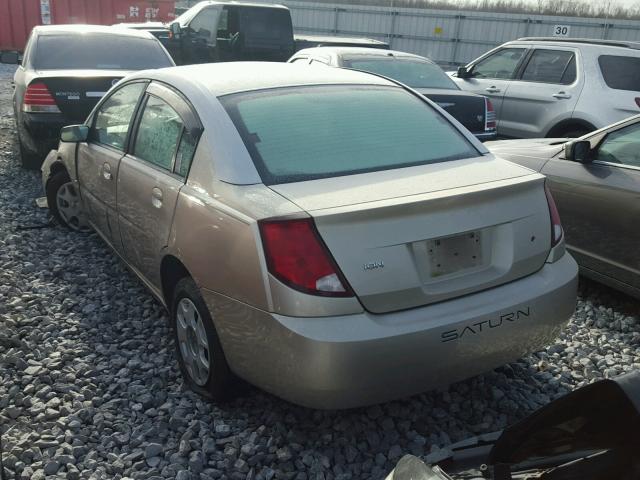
492 90
156 197
106 171
561 96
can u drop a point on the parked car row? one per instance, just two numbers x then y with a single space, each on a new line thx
65 71
335 236
551 87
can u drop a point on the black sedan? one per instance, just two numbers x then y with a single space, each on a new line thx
473 111
65 70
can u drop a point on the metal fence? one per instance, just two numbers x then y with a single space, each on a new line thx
450 37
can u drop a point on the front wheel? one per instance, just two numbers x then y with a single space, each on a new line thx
64 202
200 355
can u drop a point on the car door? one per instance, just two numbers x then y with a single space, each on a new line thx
490 76
544 93
599 204
151 176
99 158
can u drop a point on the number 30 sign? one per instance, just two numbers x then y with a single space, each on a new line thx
561 31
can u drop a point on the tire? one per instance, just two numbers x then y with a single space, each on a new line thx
190 333
61 191
29 160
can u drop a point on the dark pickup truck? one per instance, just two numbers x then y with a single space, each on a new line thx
218 31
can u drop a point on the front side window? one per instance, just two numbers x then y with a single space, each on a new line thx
414 73
550 66
620 73
113 119
158 133
204 24
98 51
621 146
305 133
500 65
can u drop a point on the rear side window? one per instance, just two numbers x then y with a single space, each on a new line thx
550 66
158 133
620 73
265 23
305 133
97 51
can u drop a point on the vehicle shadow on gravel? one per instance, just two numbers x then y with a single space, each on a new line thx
89 384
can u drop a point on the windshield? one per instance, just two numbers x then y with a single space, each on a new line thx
411 72
305 133
102 52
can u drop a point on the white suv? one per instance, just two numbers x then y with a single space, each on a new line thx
550 87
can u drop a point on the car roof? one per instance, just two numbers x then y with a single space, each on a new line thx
233 77
82 29
358 51
579 42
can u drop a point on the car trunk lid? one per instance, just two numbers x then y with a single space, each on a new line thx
76 92
414 236
468 109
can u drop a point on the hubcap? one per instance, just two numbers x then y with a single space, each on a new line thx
70 207
192 340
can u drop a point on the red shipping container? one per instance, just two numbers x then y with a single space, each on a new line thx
18 17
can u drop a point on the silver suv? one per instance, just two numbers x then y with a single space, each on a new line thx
550 87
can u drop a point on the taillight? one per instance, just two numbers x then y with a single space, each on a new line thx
38 99
489 115
556 226
297 256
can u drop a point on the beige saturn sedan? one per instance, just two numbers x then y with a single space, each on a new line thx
328 235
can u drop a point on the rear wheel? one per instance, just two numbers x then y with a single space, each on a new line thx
64 202
200 355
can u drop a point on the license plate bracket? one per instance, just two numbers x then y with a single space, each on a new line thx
454 254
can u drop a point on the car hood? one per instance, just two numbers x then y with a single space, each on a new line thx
532 153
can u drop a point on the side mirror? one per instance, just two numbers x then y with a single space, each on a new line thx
10 57
578 151
74 133
463 72
176 29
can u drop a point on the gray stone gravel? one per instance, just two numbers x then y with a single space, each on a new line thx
89 387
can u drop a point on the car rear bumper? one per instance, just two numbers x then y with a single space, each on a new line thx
354 360
486 137
43 130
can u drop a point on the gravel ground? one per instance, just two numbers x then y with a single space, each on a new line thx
89 386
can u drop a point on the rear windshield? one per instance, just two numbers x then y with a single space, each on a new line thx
415 73
305 133
103 52
621 73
